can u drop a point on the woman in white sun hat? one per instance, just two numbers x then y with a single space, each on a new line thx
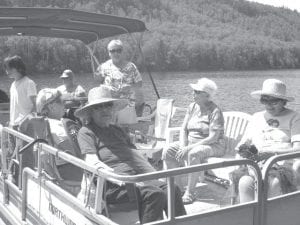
202 136
276 130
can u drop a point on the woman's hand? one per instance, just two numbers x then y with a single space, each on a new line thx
182 152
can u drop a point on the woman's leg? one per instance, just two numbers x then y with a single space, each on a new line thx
195 157
170 162
296 169
274 187
246 189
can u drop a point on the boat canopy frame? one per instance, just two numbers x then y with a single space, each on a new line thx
65 23
70 24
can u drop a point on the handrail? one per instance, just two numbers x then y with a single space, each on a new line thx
169 174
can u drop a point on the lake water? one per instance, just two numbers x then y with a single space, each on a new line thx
233 93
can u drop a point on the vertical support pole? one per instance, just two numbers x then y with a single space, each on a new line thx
24 194
171 197
39 160
4 147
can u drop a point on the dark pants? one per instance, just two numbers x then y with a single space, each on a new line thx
151 198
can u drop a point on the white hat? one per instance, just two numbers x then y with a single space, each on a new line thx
67 74
45 97
274 88
205 85
97 96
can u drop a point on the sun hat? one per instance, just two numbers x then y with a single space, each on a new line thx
67 74
274 88
205 85
100 95
45 97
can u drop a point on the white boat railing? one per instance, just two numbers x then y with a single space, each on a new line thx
256 210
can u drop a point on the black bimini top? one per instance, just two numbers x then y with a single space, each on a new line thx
65 23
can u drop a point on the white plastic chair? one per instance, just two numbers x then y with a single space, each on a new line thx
234 128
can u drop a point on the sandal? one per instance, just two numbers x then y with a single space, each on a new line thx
187 198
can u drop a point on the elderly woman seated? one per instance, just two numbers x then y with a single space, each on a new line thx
202 136
49 105
100 140
276 130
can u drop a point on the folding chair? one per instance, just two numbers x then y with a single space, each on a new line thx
157 132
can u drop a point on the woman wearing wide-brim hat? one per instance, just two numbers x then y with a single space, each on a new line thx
202 136
275 130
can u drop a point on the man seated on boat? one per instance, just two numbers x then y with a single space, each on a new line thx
100 140
276 130
50 106
202 136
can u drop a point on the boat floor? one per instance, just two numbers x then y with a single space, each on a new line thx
208 197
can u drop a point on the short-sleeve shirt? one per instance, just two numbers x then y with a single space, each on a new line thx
113 147
269 132
116 78
199 125
21 104
77 92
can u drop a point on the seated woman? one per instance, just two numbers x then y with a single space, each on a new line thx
49 105
202 136
100 141
276 130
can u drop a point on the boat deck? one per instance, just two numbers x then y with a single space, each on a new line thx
208 197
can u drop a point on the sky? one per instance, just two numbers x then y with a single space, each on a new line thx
292 4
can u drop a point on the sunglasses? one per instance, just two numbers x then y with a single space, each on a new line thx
117 50
104 106
269 101
199 92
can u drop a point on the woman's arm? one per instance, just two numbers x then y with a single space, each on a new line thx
295 147
183 136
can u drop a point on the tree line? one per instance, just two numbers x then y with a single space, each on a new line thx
191 35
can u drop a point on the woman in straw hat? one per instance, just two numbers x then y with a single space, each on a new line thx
276 130
100 140
203 135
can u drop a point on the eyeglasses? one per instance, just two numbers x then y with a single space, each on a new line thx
117 50
269 101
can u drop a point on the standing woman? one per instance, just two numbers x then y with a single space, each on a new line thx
122 76
202 136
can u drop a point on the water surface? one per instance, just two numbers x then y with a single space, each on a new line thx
233 94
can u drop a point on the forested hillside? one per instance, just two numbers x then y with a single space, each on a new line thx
183 35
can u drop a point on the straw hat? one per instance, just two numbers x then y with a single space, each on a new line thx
274 88
97 96
205 85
